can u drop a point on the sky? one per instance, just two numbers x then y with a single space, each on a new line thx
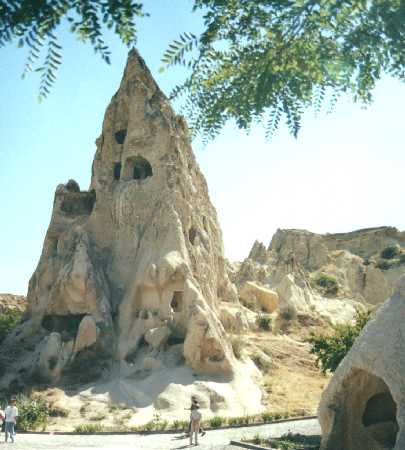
345 171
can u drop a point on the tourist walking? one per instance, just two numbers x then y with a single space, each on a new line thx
11 414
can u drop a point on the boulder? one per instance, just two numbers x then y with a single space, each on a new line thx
363 406
157 337
257 296
86 334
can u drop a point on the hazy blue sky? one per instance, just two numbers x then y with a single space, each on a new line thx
345 171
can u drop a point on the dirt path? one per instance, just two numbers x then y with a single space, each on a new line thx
213 440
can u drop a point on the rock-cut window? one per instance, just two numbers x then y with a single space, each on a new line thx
142 168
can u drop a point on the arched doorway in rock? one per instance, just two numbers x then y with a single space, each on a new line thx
142 168
366 417
137 168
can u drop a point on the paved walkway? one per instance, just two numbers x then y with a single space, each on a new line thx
213 440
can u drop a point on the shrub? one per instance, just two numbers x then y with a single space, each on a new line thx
157 423
238 345
57 411
264 322
328 283
88 428
179 424
330 350
288 313
402 258
382 264
216 421
32 413
267 417
8 321
390 252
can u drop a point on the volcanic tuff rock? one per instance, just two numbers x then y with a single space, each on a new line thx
295 259
11 301
133 268
363 406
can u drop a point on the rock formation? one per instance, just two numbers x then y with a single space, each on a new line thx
363 407
132 270
12 302
296 259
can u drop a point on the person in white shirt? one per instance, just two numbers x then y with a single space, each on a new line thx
11 414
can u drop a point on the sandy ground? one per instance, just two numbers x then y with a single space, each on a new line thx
213 440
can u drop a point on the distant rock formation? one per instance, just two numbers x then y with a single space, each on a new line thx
11 301
298 262
363 406
132 270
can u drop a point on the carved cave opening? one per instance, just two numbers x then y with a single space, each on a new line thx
142 168
120 136
177 301
68 324
78 203
367 416
117 171
380 418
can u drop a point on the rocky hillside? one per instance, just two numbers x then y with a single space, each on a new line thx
314 272
11 301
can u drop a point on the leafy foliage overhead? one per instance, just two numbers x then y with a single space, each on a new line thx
260 60
33 23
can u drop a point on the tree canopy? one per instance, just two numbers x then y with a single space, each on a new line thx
33 23
256 60
260 60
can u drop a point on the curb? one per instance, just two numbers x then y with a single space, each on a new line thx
111 433
249 446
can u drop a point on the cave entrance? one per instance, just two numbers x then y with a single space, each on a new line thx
68 324
380 419
142 168
177 301
366 418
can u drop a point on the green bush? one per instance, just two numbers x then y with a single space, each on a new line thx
264 322
402 258
390 252
8 321
216 421
32 413
88 428
328 283
267 417
156 424
179 425
330 350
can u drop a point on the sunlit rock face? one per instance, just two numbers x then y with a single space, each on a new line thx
134 266
363 407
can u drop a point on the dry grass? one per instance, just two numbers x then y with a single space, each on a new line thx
293 384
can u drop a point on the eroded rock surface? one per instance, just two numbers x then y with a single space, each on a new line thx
133 269
295 261
363 407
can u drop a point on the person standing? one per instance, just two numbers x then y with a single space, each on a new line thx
195 421
11 414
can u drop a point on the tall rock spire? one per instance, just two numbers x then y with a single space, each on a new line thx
135 264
